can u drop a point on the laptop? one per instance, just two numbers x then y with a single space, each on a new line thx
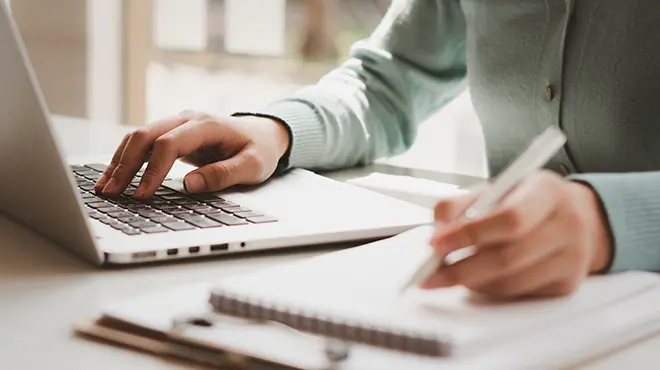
43 191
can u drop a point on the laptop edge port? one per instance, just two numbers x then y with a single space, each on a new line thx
144 254
220 247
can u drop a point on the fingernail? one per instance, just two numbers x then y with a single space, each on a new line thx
100 183
194 183
139 192
111 186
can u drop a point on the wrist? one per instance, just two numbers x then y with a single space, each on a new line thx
598 229
276 127
280 134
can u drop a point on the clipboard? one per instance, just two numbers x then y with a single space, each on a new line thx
182 322
192 341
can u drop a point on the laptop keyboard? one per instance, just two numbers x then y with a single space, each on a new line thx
167 211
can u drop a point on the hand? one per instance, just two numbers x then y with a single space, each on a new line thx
544 238
229 151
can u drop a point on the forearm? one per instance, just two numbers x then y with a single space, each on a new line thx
631 203
371 105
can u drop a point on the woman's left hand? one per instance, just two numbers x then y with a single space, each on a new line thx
541 241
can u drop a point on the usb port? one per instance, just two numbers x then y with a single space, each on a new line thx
144 254
219 247
193 250
172 252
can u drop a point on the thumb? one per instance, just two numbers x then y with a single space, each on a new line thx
220 175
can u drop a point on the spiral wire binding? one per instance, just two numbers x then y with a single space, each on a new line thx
332 327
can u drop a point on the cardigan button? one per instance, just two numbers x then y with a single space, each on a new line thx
549 93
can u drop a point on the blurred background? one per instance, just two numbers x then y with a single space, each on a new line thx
133 61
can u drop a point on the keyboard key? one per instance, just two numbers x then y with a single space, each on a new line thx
190 216
142 224
94 177
165 207
121 215
75 168
130 191
205 223
233 209
208 210
223 203
99 204
98 167
174 197
95 215
133 219
163 219
109 209
135 207
85 172
187 202
88 196
88 187
228 220
136 182
247 214
237 209
107 220
164 192
179 226
154 229
123 201
196 206
262 219
131 232
177 211
120 226
148 213
153 201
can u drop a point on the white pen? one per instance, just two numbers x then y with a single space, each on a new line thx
541 149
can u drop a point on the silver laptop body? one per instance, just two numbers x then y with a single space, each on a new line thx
41 190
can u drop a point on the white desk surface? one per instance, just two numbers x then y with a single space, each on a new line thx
44 290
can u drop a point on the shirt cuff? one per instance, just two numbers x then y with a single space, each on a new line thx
306 131
631 204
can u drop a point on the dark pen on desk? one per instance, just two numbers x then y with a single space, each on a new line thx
541 149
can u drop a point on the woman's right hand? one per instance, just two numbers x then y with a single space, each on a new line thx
228 151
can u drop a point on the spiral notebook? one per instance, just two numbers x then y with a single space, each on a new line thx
285 313
354 295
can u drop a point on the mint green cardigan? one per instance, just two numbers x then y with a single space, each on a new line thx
591 68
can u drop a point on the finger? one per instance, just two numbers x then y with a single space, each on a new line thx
177 143
525 208
135 152
105 177
449 209
558 289
242 168
493 262
554 272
